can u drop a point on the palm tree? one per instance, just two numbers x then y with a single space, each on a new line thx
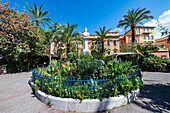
102 36
67 35
133 18
38 14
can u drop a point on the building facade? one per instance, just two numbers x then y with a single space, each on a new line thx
165 50
111 44
144 34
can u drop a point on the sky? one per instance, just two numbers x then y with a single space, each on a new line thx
98 13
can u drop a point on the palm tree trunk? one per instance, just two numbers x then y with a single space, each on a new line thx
133 34
37 22
102 47
50 54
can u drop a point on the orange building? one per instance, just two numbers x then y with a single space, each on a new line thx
164 51
163 41
143 34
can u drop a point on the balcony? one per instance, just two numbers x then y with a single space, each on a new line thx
146 32
163 49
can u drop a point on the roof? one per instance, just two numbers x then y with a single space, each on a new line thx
145 27
139 27
161 39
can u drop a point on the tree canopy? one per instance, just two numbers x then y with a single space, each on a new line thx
38 14
134 17
18 32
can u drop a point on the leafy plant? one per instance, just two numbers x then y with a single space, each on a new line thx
151 63
126 86
90 67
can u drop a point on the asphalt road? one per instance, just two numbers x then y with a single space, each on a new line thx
16 96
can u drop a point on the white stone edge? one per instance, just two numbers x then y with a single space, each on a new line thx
87 105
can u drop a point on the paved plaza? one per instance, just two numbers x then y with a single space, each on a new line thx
16 95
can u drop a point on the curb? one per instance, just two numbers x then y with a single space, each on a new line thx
87 105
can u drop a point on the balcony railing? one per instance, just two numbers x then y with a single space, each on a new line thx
163 49
146 32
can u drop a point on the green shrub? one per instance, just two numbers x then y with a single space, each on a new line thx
19 63
90 67
151 63
71 79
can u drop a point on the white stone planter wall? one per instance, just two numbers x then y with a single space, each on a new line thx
87 105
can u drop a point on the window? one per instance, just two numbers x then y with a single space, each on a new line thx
152 37
151 30
119 44
148 29
148 37
98 44
163 56
108 43
138 30
136 41
114 42
115 51
144 37
143 29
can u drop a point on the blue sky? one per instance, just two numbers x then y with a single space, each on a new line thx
94 13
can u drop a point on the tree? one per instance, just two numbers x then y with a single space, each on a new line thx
102 36
133 18
52 36
18 32
164 31
67 36
38 14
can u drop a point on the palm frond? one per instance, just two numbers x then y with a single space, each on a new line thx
44 13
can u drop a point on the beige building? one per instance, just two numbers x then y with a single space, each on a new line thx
144 34
111 44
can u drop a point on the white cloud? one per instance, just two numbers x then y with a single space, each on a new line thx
118 29
164 19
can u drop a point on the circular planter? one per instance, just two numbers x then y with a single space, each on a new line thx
87 105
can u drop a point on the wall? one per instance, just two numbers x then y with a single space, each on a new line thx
161 53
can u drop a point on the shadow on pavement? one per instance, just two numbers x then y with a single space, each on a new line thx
155 98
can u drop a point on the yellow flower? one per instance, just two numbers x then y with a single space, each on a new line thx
64 65
67 63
